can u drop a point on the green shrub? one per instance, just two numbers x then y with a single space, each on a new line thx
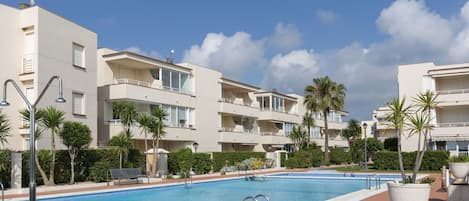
5 167
185 161
202 163
292 163
99 171
300 159
358 149
427 180
339 156
459 159
432 160
173 165
390 144
221 159
283 157
317 155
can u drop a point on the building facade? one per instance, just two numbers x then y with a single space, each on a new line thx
203 107
36 45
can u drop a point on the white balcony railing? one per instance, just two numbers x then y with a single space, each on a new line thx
463 153
150 85
452 91
453 124
232 101
115 122
27 63
273 134
234 130
133 82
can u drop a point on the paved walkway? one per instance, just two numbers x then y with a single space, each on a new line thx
436 194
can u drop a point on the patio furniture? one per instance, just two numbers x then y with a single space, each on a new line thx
126 173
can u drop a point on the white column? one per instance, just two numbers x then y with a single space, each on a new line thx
270 102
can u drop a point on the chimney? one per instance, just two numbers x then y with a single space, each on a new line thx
169 59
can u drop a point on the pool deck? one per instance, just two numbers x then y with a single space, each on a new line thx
436 194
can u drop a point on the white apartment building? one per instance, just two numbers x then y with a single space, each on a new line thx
450 120
35 45
217 113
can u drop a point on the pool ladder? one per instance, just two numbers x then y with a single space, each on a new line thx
3 191
188 181
255 198
373 178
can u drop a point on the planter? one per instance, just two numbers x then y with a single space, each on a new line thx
459 171
409 192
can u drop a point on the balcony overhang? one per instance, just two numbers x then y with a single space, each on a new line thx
450 70
227 83
450 138
137 61
273 93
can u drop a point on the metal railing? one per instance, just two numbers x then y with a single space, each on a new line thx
453 124
3 191
27 63
188 179
233 101
273 134
255 198
452 91
373 178
233 130
153 86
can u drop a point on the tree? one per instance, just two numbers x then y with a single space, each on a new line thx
352 131
420 124
157 130
144 122
298 136
127 114
324 96
357 148
4 129
38 114
52 119
396 120
122 143
308 122
75 136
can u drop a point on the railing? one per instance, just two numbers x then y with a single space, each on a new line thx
463 153
232 101
149 85
133 82
453 124
27 63
452 91
373 178
115 122
233 130
272 134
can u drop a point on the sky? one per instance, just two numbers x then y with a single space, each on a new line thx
285 44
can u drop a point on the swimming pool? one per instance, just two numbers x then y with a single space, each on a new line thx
233 190
335 175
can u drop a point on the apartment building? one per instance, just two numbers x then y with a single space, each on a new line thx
217 113
35 45
377 127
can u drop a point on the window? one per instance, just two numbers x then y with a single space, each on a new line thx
78 55
78 101
175 81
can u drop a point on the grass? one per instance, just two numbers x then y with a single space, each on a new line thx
371 168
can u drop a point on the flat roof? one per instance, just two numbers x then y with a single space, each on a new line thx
230 81
157 61
276 93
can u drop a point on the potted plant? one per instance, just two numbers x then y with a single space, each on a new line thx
410 189
459 167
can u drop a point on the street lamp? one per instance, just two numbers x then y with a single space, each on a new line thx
32 108
195 145
366 157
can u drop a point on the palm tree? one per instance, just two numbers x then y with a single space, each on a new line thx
157 129
324 96
4 129
144 122
425 103
396 119
127 114
122 143
38 114
417 124
52 119
298 136
308 122
352 131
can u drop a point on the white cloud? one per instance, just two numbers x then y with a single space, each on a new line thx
285 37
137 50
326 16
232 55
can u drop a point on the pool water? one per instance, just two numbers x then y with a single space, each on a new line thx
338 175
233 190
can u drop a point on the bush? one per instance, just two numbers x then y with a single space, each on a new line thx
432 160
173 165
283 158
339 156
99 171
300 159
5 167
221 159
358 149
459 159
390 144
202 163
317 155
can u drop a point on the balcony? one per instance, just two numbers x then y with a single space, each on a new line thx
230 135
172 133
453 97
138 90
232 107
274 138
279 116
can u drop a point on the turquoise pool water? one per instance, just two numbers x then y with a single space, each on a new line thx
233 190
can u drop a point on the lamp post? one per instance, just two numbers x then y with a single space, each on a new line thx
195 145
366 157
31 107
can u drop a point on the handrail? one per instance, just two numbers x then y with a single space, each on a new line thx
249 197
262 196
3 191
369 181
190 180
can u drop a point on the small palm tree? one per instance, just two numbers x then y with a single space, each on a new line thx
122 144
352 131
308 122
127 114
52 119
324 96
157 129
145 122
396 120
4 129
417 124
298 136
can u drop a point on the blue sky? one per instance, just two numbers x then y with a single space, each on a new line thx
285 44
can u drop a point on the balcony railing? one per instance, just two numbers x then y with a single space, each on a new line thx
234 130
27 63
273 134
115 122
150 85
232 101
453 124
452 91
463 153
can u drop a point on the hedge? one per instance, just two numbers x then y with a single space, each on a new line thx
304 159
339 156
221 159
5 167
85 162
283 158
202 163
390 144
432 160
